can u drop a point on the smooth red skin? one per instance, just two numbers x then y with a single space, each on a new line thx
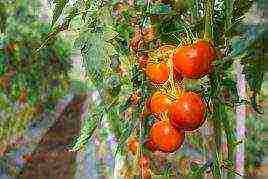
194 60
157 73
150 145
166 137
188 113
159 103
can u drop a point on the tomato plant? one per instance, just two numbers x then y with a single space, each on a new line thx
30 82
166 33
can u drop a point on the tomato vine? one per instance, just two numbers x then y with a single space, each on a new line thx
129 50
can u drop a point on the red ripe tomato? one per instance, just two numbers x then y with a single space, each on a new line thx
144 162
11 47
159 103
150 145
166 137
188 113
157 72
194 60
27 158
133 145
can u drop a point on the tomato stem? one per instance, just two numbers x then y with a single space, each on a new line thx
209 10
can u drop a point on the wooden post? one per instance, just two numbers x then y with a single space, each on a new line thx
240 118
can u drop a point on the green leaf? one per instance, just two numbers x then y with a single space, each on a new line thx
3 17
216 169
241 7
92 120
254 72
114 121
157 9
88 128
59 6
87 6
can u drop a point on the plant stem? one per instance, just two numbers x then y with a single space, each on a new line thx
229 130
214 77
216 122
209 11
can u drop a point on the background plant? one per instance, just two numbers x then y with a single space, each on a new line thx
30 83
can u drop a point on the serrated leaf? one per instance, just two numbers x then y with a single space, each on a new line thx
86 132
59 6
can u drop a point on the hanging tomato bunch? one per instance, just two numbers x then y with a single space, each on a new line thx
175 110
178 110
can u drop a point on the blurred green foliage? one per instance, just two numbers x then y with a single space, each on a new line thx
30 81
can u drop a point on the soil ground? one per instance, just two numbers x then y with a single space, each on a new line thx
52 160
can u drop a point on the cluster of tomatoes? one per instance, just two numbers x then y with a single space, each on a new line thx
176 111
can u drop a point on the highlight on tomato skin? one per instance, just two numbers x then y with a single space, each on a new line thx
188 113
167 138
157 73
194 60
